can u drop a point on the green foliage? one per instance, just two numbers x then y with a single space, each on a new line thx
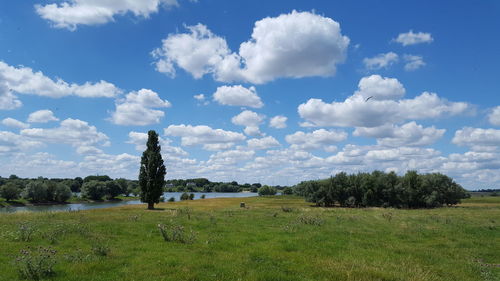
96 178
10 191
61 193
191 196
152 171
267 190
35 264
176 233
380 189
184 196
93 190
35 191
287 191
112 189
171 199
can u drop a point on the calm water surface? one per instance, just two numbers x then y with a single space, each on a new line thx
98 205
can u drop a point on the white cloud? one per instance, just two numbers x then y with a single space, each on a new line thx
238 96
477 138
409 134
494 116
278 122
72 13
88 150
10 142
380 88
411 38
381 61
140 140
319 139
71 131
211 139
299 44
263 143
413 62
42 116
11 122
22 80
250 120
200 97
355 111
137 109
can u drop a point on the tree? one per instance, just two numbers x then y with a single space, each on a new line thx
93 190
35 191
287 191
267 190
112 190
10 191
152 172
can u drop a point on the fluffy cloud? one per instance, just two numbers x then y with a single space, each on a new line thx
494 116
477 138
238 96
380 88
409 134
72 13
278 122
137 109
355 111
211 139
10 142
411 38
250 120
381 61
299 44
8 100
11 122
42 116
71 131
413 62
140 140
319 139
263 143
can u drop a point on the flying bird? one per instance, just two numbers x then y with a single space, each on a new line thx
368 98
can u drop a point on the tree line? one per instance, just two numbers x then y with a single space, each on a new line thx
379 189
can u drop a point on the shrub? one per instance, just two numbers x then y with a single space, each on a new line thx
287 191
267 190
176 233
62 193
26 230
112 189
171 199
202 196
191 196
93 189
36 264
10 191
184 196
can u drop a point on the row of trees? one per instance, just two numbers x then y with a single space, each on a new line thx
381 189
204 185
37 191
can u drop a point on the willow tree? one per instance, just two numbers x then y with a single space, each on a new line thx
152 172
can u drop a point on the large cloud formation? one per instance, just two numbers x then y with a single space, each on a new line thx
298 44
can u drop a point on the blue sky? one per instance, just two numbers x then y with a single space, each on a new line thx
256 91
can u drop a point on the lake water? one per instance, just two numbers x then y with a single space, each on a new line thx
98 205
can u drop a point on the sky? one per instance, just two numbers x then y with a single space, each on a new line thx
275 92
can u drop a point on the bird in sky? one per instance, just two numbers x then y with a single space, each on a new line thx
368 98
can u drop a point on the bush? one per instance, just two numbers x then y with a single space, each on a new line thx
112 189
287 191
191 196
10 191
35 264
267 190
184 196
176 233
93 189
171 199
202 196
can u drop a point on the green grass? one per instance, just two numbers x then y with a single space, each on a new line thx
263 242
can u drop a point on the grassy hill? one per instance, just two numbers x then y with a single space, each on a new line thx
273 238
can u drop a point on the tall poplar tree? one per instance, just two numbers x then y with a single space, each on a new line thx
152 172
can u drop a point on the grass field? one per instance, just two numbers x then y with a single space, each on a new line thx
273 238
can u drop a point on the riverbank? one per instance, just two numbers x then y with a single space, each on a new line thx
272 238
72 200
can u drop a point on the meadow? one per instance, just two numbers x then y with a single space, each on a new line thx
271 238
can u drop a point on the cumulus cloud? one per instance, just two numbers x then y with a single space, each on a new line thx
278 122
477 138
413 62
137 109
355 111
42 116
8 101
319 139
238 96
11 122
71 131
380 88
11 142
72 13
411 38
409 134
381 61
211 139
494 116
140 139
263 143
295 45
250 120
